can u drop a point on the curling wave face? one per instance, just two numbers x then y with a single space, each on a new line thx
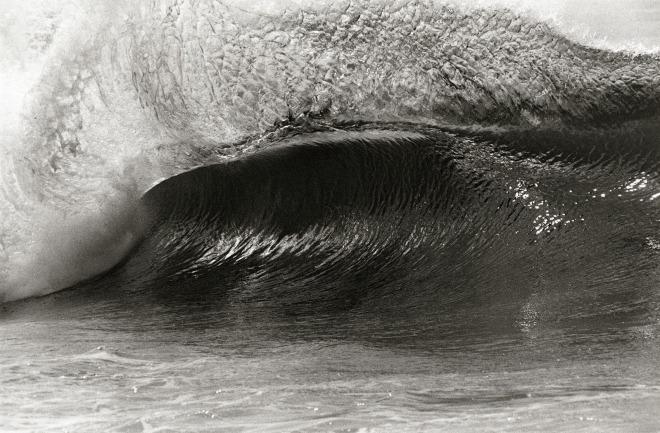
357 144
435 231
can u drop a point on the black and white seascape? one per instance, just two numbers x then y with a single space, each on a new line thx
364 216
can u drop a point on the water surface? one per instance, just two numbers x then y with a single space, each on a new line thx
372 218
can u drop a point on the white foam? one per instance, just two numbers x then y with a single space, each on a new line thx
73 247
610 24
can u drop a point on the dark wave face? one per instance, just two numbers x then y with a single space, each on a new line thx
328 221
420 233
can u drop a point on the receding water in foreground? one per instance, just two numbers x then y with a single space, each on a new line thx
253 379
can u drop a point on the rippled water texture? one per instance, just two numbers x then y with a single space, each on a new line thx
361 217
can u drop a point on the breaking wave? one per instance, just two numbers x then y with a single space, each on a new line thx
374 156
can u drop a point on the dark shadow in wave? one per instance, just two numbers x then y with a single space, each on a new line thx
397 236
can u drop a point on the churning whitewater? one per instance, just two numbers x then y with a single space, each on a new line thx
451 212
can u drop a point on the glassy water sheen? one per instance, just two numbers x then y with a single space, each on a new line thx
368 216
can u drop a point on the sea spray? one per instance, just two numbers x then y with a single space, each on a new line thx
74 247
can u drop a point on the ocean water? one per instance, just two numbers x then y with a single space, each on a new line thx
373 216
